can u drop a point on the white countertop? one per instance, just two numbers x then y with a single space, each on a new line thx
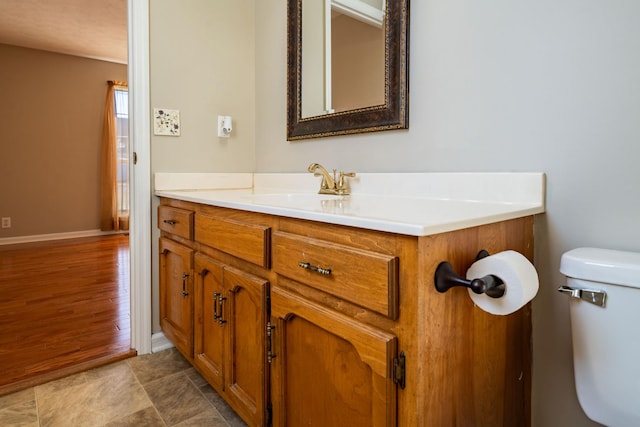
417 204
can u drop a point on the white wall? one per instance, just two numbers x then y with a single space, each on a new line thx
495 86
503 86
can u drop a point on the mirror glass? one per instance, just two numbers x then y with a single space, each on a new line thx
343 56
347 67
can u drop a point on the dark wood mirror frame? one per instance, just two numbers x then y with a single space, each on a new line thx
394 114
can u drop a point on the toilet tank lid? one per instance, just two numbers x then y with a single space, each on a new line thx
602 265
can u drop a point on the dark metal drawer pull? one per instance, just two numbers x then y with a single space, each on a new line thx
185 276
170 221
221 320
215 306
307 266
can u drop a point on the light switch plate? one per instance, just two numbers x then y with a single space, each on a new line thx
166 122
224 132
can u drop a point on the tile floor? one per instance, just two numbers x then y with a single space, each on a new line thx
160 389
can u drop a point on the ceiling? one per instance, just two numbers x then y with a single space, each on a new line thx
87 28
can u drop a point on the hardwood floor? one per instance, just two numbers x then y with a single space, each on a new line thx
64 308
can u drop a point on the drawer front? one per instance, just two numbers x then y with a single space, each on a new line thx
250 242
368 279
176 221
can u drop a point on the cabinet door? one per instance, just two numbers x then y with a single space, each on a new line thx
176 294
329 369
245 314
209 339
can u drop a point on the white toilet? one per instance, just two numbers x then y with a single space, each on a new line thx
604 286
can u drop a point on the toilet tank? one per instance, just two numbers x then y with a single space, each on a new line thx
604 286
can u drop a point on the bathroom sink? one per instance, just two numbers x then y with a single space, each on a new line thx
300 200
414 204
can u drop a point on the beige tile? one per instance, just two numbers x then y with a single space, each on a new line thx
20 414
113 396
147 417
96 401
150 367
221 406
195 377
176 398
17 397
210 418
121 368
62 384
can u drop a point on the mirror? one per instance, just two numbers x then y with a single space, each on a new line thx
347 67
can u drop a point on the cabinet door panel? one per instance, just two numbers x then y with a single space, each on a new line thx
329 369
246 316
176 294
209 342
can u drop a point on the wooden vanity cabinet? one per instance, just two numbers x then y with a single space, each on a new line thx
327 368
176 294
231 320
411 355
304 323
209 331
176 277
231 307
333 308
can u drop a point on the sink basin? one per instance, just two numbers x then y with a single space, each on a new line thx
293 200
309 202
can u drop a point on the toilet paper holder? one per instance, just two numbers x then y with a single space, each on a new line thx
446 278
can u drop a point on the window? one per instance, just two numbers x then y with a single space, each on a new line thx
121 101
114 180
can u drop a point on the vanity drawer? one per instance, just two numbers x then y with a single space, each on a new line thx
176 221
366 278
247 241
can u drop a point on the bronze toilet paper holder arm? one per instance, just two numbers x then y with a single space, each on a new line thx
446 278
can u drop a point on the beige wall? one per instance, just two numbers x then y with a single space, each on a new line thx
51 125
357 64
519 86
202 64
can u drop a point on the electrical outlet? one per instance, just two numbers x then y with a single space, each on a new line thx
6 222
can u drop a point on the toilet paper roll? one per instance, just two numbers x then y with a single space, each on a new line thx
517 273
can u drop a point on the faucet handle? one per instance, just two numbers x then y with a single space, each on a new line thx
342 184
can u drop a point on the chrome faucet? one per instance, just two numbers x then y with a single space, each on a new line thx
329 184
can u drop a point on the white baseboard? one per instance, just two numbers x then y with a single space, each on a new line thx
159 342
54 236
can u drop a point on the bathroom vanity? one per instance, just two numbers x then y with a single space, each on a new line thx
308 309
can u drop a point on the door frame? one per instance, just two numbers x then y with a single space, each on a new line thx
140 191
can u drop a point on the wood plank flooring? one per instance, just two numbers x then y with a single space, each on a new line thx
64 307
